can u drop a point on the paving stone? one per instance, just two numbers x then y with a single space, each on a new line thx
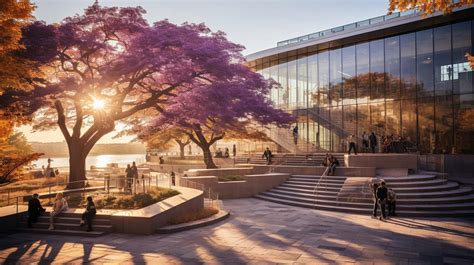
267 234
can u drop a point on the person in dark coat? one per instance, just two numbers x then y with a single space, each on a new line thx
234 150
135 172
173 178
34 210
382 195
129 176
373 188
267 155
373 141
89 214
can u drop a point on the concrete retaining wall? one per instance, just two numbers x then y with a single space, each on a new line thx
250 186
145 221
301 170
380 161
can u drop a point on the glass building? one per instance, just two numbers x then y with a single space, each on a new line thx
403 74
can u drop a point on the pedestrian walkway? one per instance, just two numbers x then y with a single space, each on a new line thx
264 232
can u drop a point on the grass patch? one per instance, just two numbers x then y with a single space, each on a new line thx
189 217
122 201
230 178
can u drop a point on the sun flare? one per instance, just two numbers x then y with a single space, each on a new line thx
98 104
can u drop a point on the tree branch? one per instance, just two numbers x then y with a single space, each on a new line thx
62 121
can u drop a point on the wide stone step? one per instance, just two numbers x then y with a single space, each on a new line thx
410 178
321 183
441 206
70 226
61 232
400 201
407 213
310 187
455 192
73 220
399 190
324 181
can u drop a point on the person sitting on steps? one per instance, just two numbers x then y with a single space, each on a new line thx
34 210
60 205
89 214
333 163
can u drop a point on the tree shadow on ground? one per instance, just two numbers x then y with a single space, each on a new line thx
262 231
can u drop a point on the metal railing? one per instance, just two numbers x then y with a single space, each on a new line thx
211 196
318 184
359 24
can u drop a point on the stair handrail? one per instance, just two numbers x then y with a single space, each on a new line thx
319 182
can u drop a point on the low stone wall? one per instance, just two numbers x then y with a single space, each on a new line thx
145 221
379 161
302 170
250 186
167 168
221 172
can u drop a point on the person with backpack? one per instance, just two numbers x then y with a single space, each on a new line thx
382 195
392 200
89 214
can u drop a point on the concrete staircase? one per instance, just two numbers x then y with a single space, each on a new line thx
67 224
417 195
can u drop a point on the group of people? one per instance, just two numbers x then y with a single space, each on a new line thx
35 210
131 174
384 198
394 144
330 162
226 153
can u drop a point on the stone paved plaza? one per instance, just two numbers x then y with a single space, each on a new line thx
261 232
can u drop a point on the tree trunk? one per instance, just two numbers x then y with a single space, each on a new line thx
208 157
77 166
181 150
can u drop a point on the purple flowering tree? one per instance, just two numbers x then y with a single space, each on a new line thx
112 66
236 107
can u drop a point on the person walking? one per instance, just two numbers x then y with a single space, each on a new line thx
365 141
129 176
34 210
89 214
382 195
234 150
60 205
295 134
267 155
135 172
173 178
373 188
373 141
352 145
392 201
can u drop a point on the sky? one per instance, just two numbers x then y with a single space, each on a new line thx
257 24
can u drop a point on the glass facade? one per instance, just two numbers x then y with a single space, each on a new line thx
417 85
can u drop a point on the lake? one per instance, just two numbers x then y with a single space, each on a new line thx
94 160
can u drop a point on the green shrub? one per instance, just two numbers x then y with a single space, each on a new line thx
230 178
193 216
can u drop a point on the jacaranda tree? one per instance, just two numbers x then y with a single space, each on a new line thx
236 107
112 66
